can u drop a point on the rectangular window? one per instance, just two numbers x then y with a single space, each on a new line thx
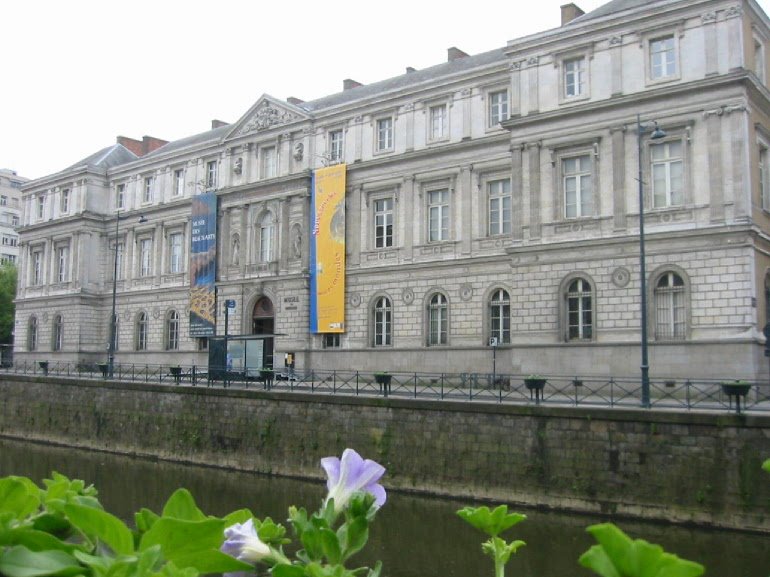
64 201
266 242
438 215
269 162
149 184
662 57
764 177
335 146
438 122
331 340
211 174
383 223
667 174
15 220
179 182
759 60
3 200
384 134
499 192
175 252
118 256
574 77
120 196
145 257
40 207
62 260
578 186
37 268
498 107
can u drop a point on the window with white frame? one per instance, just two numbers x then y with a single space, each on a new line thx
759 60
579 310
499 202
336 145
266 233
145 257
172 331
497 107
438 215
120 196
4 258
438 320
269 162
175 253
667 167
662 54
141 332
118 255
384 134
577 183
32 333
383 223
3 200
331 340
179 182
40 207
500 316
64 201
670 307
764 176
148 191
574 70
57 333
37 267
437 122
212 174
62 263
14 220
383 322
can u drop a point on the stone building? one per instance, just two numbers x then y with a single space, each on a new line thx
490 196
10 214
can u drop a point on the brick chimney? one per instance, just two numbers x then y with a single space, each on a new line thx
349 84
218 124
295 101
454 53
150 143
569 12
141 147
134 146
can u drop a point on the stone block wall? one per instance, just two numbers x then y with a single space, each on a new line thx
683 467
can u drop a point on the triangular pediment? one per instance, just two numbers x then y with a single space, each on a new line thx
266 114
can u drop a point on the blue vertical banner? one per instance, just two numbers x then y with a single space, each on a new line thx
203 265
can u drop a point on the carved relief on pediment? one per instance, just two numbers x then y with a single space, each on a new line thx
266 116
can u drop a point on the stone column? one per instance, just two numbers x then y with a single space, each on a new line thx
406 208
465 213
616 65
517 193
533 158
619 208
715 172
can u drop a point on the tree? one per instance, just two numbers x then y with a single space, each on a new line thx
8 275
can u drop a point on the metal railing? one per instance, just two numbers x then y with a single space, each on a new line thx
589 391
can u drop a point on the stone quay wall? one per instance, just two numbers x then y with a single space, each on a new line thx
684 467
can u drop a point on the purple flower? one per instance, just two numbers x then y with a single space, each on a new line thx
243 543
352 474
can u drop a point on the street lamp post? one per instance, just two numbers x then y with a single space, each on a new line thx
657 133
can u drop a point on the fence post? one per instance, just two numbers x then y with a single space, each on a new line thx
334 382
442 386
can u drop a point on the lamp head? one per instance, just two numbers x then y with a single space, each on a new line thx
657 133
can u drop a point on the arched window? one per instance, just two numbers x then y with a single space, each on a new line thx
670 307
32 334
580 320
266 231
172 331
383 322
500 316
438 320
58 333
141 332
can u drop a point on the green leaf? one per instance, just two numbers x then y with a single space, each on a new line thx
596 560
766 465
103 526
491 522
211 561
181 505
18 496
239 516
144 520
33 540
21 562
288 571
330 545
354 536
55 524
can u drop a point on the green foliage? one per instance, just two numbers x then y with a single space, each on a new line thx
8 277
766 465
617 555
493 523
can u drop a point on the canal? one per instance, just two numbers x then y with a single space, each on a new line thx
414 536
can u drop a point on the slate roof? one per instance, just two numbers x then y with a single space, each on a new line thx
210 135
106 158
611 7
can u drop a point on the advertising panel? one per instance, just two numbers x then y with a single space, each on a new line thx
327 250
203 265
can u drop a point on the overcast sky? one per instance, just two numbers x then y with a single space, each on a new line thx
78 73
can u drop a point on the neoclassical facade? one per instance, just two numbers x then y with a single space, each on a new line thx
490 198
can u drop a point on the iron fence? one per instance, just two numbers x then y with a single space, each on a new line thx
593 391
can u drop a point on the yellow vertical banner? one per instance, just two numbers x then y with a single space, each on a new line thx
327 251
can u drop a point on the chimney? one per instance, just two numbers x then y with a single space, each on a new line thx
134 146
349 84
409 70
454 53
218 124
150 143
295 101
569 12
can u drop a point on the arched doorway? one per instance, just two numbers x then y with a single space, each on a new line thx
263 323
